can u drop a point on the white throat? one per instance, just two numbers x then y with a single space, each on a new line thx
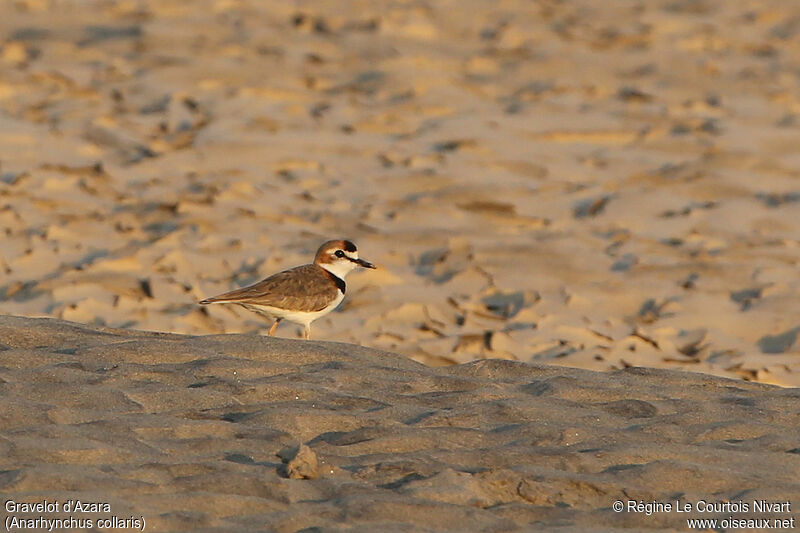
340 268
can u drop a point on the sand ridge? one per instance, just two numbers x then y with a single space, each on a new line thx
201 433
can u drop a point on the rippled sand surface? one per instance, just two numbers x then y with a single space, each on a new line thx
599 185
247 433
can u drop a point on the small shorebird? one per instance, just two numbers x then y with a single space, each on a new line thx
301 294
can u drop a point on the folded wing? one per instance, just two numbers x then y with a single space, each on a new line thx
303 288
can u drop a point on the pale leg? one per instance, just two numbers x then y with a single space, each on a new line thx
308 331
274 327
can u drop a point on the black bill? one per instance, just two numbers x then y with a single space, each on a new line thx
365 264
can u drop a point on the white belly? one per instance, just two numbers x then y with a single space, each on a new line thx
304 318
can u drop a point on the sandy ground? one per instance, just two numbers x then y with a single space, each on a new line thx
562 182
202 433
543 184
586 184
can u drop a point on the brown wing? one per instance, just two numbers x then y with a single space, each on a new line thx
303 288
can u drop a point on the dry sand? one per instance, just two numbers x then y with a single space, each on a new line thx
603 185
583 183
200 433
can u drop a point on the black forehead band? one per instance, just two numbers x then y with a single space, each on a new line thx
349 246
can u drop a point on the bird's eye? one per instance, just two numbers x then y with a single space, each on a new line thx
338 253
